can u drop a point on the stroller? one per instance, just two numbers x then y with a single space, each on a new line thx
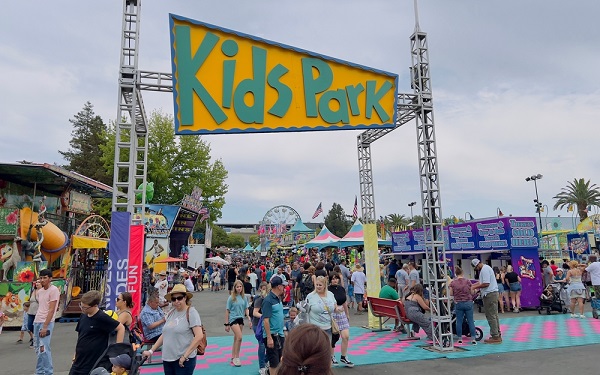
551 300
114 350
465 326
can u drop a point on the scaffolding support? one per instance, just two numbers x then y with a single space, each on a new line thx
435 255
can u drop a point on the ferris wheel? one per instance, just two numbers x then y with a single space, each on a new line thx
279 216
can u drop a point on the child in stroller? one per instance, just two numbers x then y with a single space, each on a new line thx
115 357
551 300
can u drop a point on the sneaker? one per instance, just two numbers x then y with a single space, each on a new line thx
236 362
581 316
473 342
19 341
262 371
346 362
493 340
573 315
334 361
459 342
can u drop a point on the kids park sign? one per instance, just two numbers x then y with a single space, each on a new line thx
228 82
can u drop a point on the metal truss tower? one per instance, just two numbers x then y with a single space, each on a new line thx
131 138
435 253
419 106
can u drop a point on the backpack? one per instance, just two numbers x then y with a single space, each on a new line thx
306 285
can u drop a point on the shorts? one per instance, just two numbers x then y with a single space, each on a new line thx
500 288
238 321
577 293
359 297
274 354
515 287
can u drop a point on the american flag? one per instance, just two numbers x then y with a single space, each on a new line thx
355 211
318 211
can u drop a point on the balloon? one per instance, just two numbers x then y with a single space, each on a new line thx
149 191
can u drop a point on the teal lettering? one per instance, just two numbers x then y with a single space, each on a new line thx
325 111
284 98
230 49
255 86
373 98
187 67
353 92
312 85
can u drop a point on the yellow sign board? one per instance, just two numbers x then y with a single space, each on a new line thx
228 82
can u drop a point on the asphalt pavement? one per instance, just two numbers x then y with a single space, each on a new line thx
18 359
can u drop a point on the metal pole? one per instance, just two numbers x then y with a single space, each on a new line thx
539 211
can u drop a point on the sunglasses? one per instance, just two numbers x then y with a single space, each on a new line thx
119 299
173 299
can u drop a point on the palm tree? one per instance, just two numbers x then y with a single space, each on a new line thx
395 222
580 193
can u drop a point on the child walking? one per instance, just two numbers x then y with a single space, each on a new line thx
24 327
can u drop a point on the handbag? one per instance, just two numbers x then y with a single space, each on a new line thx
335 329
201 348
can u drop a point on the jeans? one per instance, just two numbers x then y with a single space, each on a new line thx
465 309
44 358
30 319
490 307
262 354
173 368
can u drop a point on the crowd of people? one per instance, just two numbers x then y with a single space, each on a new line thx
271 299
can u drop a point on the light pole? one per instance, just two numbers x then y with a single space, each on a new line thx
411 204
538 204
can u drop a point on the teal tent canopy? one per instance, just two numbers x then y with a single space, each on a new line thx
299 227
248 248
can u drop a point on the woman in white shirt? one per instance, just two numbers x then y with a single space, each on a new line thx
321 303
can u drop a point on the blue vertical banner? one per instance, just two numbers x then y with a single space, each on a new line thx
118 255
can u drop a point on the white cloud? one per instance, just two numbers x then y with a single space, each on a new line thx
515 90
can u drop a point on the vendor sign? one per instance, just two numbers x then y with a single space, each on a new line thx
228 82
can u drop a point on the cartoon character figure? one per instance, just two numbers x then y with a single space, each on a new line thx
10 302
11 260
526 268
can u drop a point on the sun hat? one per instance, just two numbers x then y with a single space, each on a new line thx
179 288
475 262
162 273
123 360
358 267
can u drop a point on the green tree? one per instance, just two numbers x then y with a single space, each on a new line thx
219 236
88 137
176 164
418 220
235 241
336 221
580 193
254 240
395 222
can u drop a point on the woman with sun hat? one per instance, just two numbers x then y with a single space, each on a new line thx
181 334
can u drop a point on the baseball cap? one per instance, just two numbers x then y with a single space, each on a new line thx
276 281
475 262
123 360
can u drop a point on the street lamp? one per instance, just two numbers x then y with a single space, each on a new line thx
411 204
538 204
470 216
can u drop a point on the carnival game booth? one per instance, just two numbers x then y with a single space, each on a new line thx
168 230
496 242
41 207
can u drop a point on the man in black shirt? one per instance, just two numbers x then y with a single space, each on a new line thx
94 328
231 276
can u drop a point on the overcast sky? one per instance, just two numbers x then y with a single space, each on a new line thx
516 88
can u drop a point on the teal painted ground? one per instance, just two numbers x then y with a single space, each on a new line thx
367 348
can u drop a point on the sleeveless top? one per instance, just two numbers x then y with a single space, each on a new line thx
575 284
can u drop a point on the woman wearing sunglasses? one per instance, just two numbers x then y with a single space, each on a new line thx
124 304
181 334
